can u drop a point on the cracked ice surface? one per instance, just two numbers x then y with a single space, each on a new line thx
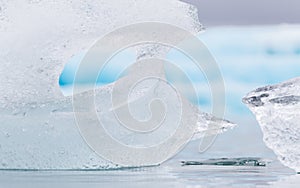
277 109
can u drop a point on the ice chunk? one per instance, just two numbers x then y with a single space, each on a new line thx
38 129
39 37
244 161
277 109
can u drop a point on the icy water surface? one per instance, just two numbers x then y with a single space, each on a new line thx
171 174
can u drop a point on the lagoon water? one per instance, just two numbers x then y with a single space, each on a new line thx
171 174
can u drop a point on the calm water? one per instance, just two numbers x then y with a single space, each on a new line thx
167 175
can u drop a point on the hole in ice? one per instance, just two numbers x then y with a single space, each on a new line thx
110 72
114 68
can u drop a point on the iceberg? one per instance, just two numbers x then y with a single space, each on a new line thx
38 128
277 109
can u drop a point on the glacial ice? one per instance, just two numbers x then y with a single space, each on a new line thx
277 109
38 129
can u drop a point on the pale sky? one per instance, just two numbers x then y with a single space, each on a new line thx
247 12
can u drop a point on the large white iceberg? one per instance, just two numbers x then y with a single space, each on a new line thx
38 129
277 109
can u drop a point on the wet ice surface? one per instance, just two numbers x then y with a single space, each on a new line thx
277 109
171 174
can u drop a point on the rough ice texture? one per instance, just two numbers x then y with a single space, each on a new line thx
277 109
38 129
38 37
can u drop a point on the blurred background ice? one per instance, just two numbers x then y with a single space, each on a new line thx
255 43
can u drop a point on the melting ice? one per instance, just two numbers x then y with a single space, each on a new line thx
277 109
38 129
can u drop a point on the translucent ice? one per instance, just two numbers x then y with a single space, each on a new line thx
38 129
277 109
247 161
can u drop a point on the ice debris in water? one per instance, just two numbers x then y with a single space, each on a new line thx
244 161
277 109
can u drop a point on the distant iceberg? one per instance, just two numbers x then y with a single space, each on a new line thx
277 109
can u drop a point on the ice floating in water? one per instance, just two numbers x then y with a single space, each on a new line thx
245 161
277 109
38 129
